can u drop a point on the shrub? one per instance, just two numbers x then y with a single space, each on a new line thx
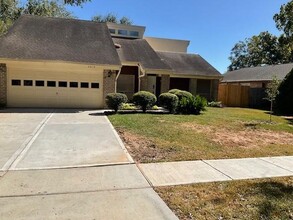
115 100
192 105
215 104
169 101
144 99
181 93
284 101
128 106
155 107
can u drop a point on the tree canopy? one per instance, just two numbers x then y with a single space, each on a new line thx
266 48
110 17
10 11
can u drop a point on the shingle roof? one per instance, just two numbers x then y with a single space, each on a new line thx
138 50
43 38
260 73
188 64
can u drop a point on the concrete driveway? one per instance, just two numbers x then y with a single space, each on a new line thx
70 164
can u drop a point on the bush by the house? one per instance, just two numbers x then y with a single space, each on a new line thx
144 99
128 106
192 105
215 104
115 100
284 101
169 101
180 93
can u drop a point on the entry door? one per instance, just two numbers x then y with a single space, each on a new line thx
152 80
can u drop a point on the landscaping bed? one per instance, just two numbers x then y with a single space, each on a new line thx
216 133
249 199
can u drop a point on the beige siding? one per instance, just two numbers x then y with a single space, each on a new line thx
57 97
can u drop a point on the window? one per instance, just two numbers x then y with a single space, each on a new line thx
95 85
51 83
84 85
122 32
112 31
62 84
40 83
27 82
73 84
16 82
133 33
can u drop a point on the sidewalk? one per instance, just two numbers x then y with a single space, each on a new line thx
188 172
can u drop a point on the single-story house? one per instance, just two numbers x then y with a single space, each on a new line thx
255 81
70 63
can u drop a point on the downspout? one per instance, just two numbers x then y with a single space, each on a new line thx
139 75
116 78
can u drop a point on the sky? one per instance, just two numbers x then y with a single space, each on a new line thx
212 26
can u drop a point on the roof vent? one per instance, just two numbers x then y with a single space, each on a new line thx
117 46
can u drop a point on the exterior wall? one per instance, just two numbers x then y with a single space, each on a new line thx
192 86
165 83
116 27
170 45
109 84
3 84
215 89
144 83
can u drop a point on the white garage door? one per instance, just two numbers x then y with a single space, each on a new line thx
59 88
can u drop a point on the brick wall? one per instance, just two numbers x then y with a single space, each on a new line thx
215 88
109 84
3 84
144 83
165 83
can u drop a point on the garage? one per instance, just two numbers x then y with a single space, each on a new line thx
54 85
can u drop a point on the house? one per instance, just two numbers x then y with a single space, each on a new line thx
69 63
250 83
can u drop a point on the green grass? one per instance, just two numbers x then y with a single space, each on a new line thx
249 199
191 137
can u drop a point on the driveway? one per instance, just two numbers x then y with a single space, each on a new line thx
70 164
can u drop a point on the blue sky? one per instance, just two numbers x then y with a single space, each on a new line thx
212 26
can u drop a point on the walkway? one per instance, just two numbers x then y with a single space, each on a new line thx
188 172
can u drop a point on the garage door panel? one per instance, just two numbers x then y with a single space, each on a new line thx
57 97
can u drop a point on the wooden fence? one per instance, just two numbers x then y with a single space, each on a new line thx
234 95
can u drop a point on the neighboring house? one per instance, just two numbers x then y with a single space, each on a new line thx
68 63
254 80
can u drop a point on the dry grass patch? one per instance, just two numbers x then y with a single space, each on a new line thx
216 134
251 199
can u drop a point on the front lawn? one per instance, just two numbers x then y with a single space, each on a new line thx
217 133
249 199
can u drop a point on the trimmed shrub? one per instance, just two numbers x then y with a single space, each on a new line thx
284 101
169 101
115 100
215 104
144 99
192 105
180 93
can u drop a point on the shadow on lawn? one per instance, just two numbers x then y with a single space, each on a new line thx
275 194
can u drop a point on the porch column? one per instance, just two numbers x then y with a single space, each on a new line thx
3 84
108 84
165 83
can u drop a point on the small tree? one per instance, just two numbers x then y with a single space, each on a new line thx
144 99
272 91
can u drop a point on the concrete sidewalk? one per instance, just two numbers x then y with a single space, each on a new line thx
188 172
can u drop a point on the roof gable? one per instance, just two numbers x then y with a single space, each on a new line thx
259 73
188 64
44 38
138 50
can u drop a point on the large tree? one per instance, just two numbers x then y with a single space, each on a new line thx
110 17
266 48
10 11
259 49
